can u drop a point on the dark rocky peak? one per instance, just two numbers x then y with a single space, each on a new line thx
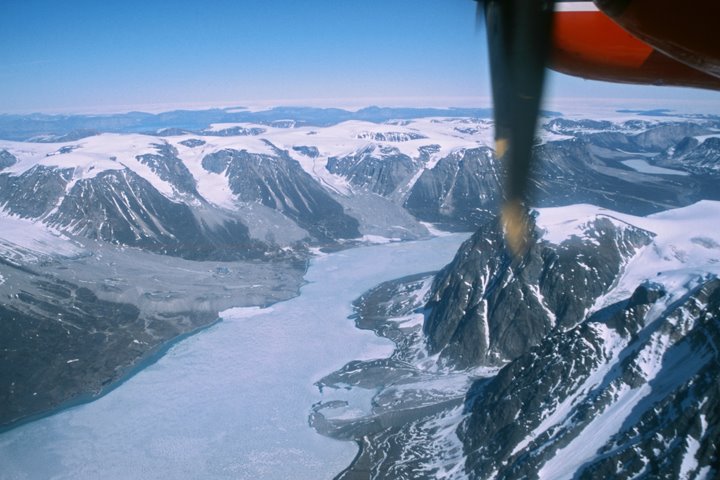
684 146
631 390
279 182
7 159
566 157
666 135
611 140
699 158
588 170
217 162
646 294
167 165
470 130
193 142
566 126
585 266
711 143
279 151
487 308
459 191
120 207
428 150
379 170
311 152
63 150
706 156
35 192
654 139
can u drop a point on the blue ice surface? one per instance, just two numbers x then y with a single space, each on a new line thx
232 401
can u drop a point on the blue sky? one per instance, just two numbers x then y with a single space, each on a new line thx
83 55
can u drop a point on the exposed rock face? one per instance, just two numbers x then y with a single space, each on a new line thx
693 156
279 182
408 432
380 172
7 159
308 151
667 135
651 360
654 138
488 307
35 192
392 137
461 189
566 126
192 142
166 165
236 131
118 206
584 170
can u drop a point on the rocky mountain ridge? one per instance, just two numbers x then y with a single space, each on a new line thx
622 385
243 180
487 307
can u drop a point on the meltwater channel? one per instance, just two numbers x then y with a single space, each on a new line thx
232 401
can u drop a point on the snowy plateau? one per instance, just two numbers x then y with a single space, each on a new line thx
304 293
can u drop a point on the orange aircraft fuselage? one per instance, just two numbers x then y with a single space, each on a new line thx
640 43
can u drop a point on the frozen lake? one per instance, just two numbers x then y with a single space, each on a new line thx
232 401
642 166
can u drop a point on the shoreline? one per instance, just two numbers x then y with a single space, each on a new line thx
153 355
359 430
150 358
226 401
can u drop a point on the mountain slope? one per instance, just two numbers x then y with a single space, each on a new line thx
631 391
622 384
487 307
460 190
280 183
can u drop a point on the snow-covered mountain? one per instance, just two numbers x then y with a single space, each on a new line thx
605 368
488 307
631 390
265 186
271 186
114 244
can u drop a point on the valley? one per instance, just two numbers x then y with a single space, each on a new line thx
115 245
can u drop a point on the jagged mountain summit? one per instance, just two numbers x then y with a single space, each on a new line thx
488 307
595 356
